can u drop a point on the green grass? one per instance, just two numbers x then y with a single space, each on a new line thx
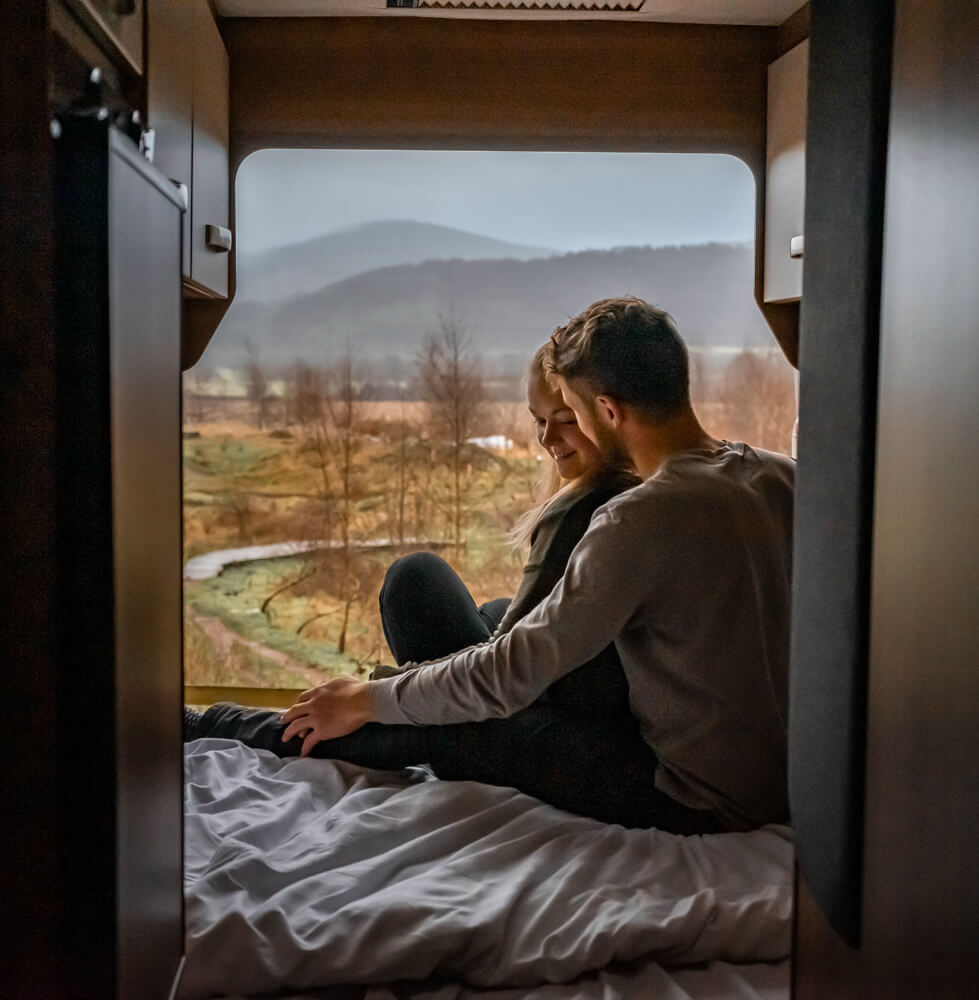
258 489
203 667
235 596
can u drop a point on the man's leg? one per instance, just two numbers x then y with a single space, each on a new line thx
603 771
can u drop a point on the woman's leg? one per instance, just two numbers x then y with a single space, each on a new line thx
492 612
427 612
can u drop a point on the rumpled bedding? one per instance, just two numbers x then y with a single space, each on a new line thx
304 873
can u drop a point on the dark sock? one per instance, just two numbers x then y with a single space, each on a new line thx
192 722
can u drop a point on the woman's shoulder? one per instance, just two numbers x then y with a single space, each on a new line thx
605 487
583 501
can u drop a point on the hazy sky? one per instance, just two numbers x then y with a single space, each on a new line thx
566 201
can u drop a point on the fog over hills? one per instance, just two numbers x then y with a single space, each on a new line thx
508 306
285 272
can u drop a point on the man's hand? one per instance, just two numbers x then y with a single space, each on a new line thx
333 709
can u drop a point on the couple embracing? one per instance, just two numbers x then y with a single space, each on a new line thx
640 674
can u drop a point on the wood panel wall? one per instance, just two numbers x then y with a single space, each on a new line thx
459 84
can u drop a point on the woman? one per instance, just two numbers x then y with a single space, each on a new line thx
571 745
428 613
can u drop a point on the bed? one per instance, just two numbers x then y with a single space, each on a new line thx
315 878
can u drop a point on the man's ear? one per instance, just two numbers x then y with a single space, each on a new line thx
611 410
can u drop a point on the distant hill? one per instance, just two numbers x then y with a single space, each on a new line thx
509 306
285 272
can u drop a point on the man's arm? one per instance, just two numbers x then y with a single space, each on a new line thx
595 600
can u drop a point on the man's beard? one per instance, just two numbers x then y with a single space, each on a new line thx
613 452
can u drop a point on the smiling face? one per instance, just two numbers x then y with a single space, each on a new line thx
558 431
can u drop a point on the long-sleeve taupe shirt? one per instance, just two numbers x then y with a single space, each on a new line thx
689 575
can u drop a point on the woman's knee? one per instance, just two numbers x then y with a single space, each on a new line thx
412 571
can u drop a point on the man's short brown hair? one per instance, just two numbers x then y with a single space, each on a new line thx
629 350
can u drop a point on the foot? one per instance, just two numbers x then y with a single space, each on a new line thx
192 721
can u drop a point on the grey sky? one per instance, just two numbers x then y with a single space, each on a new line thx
567 201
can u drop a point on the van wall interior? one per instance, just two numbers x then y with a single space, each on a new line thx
844 220
443 84
919 922
418 83
29 835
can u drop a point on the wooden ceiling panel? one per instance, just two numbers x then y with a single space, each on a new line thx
756 12
454 84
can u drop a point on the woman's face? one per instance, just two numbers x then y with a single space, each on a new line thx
558 431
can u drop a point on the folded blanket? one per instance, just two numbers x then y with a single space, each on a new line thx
304 873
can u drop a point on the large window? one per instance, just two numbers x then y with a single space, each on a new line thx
364 396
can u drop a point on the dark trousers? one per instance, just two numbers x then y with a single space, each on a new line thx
596 766
427 612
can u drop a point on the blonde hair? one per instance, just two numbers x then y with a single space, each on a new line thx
549 487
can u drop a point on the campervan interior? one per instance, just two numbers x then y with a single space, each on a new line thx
124 125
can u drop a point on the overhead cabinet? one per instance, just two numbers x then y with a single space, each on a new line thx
188 108
785 188
210 236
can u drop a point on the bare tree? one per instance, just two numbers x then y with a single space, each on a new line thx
400 460
308 391
256 384
345 441
452 385
194 382
758 395
324 403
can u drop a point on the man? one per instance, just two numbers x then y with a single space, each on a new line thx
688 574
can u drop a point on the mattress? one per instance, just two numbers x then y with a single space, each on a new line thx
316 878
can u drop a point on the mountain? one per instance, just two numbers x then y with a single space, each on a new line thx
285 272
509 307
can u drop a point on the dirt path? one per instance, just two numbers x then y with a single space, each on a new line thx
224 638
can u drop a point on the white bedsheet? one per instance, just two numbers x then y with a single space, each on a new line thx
309 873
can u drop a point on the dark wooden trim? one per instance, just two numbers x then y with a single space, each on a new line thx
921 872
120 37
792 31
823 966
195 290
202 316
195 694
846 144
29 712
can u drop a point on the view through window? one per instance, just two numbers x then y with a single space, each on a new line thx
364 395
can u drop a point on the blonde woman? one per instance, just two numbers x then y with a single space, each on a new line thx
428 613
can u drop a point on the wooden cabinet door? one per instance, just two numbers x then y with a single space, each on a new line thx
785 188
210 181
170 94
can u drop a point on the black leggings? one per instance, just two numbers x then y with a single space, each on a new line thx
597 765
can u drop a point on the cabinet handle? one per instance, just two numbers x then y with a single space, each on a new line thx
217 238
796 246
183 191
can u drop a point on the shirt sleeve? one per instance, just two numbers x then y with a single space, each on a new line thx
599 594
